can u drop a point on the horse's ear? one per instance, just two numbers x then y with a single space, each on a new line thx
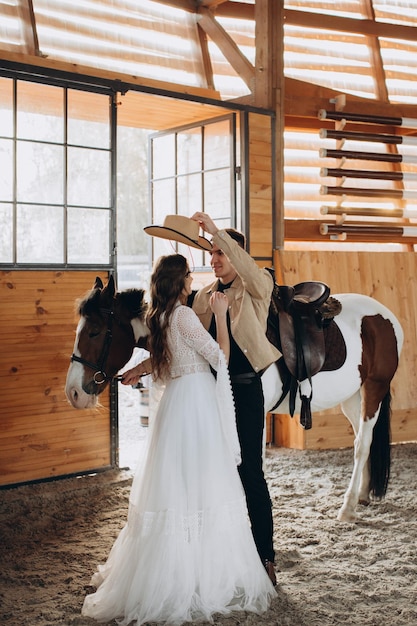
110 289
111 285
98 283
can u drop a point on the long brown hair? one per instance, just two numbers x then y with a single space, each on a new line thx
167 284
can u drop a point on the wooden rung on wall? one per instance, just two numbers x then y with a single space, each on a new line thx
367 156
368 212
406 122
372 137
340 172
368 192
369 229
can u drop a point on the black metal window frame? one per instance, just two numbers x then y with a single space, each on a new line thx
66 85
232 218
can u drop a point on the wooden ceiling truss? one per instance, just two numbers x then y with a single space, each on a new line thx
297 102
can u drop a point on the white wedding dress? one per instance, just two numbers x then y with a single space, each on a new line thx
187 550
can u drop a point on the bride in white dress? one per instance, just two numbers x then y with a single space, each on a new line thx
186 552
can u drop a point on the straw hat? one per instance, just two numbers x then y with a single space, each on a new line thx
179 228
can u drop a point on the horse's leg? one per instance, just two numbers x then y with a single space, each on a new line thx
375 393
352 410
358 488
378 366
363 496
362 447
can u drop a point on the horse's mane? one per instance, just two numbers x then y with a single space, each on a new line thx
131 301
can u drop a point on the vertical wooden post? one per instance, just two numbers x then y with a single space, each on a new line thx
269 94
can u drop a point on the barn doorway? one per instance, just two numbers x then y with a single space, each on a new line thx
190 168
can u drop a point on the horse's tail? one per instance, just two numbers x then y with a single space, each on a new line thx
380 454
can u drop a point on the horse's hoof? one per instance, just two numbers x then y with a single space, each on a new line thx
345 516
364 502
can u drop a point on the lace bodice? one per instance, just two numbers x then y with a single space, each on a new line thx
192 348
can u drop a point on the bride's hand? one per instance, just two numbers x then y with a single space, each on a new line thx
132 376
219 303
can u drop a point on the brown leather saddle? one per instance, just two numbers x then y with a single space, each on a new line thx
301 326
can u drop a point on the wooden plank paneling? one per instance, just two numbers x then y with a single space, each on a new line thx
41 435
388 277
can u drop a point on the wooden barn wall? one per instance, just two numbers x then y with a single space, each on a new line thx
388 277
41 435
260 187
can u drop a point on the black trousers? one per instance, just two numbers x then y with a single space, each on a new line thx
249 404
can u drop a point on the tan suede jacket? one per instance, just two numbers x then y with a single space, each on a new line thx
249 298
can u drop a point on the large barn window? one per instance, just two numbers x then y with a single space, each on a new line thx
56 176
194 169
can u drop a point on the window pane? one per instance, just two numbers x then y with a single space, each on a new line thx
163 161
88 177
88 236
6 169
40 112
132 192
189 150
193 255
217 140
217 194
6 233
88 119
162 247
163 200
6 107
189 194
40 232
181 191
40 173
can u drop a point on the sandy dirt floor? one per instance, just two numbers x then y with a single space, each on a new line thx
53 535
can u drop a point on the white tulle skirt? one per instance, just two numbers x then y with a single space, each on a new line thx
186 552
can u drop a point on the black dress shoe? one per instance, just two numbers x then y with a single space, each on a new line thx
270 570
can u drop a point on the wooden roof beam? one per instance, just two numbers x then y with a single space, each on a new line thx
304 99
236 10
375 51
227 46
294 17
309 19
30 35
206 60
365 27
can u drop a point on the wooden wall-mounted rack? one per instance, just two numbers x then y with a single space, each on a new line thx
395 182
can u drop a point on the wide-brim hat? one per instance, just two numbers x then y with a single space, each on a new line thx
182 229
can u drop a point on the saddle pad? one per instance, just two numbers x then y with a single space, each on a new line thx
335 347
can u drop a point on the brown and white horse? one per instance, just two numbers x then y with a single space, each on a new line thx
112 323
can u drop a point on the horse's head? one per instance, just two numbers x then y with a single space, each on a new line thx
110 326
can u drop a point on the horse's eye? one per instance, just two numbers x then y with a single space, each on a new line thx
93 333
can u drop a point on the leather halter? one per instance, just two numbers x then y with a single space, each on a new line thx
100 376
